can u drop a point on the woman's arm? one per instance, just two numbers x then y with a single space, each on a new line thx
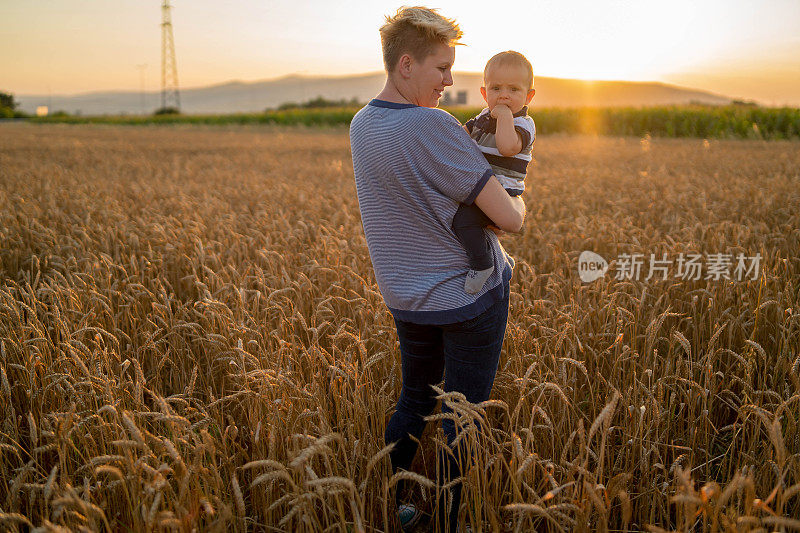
507 212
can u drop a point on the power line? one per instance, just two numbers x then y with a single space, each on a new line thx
170 96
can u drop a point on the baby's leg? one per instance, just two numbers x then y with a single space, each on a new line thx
468 224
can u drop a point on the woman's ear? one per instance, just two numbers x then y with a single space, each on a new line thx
404 65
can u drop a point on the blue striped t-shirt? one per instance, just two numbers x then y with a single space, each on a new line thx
413 166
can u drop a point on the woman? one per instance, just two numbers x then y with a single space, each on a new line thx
413 165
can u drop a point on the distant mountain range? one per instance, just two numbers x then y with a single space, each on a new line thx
238 97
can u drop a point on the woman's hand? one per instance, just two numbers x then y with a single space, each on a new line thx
507 212
497 231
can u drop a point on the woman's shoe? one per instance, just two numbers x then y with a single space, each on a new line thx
408 515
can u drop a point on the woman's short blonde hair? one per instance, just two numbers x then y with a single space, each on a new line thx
415 31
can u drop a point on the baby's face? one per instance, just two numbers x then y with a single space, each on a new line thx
507 85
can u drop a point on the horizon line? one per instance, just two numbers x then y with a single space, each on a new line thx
351 75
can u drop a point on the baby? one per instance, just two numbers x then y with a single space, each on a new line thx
505 134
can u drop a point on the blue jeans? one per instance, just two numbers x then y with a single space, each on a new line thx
467 353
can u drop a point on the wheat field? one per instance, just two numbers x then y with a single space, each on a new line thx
192 339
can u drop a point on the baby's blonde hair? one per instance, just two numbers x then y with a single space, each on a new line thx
415 31
510 58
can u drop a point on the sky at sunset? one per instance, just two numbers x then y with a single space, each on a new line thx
740 48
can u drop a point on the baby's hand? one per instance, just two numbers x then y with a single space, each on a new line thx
501 109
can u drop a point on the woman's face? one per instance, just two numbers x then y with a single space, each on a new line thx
428 78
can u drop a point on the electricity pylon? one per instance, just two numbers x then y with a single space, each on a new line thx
170 96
